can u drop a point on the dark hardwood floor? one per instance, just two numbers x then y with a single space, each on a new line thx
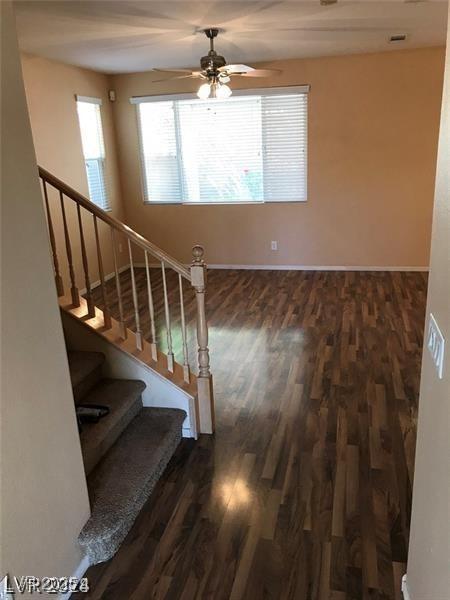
304 491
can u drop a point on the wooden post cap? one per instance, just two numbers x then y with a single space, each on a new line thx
197 253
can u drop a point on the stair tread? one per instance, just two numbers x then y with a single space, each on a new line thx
81 365
126 476
123 398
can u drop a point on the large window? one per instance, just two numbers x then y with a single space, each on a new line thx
93 149
247 148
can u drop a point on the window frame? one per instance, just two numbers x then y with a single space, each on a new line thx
271 91
101 160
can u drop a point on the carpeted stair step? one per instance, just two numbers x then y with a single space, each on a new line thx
85 372
125 478
123 398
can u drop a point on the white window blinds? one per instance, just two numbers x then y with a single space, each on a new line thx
249 148
284 127
159 152
93 149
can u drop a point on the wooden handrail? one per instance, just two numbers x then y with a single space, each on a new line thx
136 238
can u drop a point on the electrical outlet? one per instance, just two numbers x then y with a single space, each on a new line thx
436 345
274 245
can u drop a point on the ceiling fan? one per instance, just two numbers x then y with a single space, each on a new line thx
215 72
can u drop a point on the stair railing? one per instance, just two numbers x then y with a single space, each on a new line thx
195 275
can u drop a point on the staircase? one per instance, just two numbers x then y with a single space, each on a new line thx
124 454
84 231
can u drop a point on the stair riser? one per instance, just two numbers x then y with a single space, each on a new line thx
92 456
81 390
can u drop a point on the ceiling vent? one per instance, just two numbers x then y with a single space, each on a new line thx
399 37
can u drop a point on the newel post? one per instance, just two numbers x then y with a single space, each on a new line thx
204 380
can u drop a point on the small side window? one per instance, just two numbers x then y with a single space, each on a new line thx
90 120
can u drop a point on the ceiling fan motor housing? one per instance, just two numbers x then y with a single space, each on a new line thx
212 62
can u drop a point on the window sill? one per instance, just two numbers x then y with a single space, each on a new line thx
232 203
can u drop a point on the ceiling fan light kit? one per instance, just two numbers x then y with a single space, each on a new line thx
203 91
214 89
215 72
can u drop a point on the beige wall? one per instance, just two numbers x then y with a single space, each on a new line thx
429 549
44 501
373 129
50 88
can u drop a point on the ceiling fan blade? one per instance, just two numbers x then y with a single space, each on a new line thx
198 75
247 71
258 73
230 69
172 70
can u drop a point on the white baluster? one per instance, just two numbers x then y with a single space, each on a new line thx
183 333
123 329
89 298
204 379
139 339
151 310
101 273
170 360
73 290
58 278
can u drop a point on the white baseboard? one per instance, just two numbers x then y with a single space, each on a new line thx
107 278
78 574
405 591
391 268
316 268
304 267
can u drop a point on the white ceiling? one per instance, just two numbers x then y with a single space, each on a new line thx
125 36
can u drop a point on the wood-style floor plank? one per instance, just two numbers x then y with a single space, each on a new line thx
304 491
